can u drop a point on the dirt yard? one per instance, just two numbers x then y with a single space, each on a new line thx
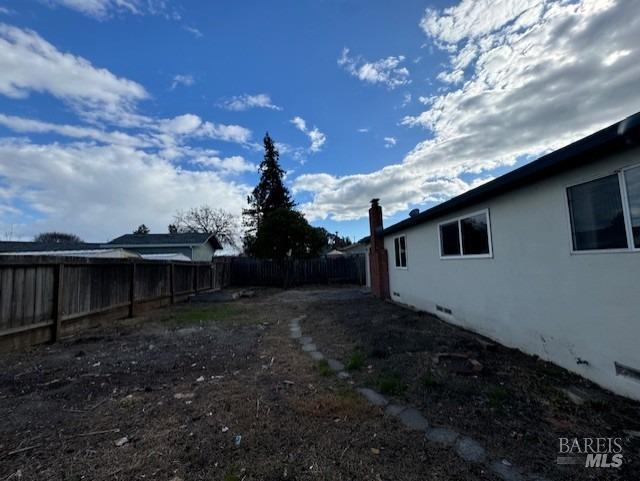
219 391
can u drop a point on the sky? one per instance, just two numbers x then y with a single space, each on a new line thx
115 113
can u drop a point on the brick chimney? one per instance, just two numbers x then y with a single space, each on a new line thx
378 260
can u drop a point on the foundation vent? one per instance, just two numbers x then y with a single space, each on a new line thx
446 310
622 370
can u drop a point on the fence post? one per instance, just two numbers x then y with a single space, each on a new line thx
57 306
211 274
194 272
172 282
132 291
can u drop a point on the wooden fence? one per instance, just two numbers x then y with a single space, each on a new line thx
42 298
294 272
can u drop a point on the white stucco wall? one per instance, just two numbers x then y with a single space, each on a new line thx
534 294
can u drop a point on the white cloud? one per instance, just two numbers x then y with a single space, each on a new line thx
194 31
390 142
186 80
23 125
99 192
542 77
103 178
387 71
233 165
246 102
103 9
363 130
28 63
316 137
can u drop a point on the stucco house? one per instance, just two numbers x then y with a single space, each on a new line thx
196 246
545 258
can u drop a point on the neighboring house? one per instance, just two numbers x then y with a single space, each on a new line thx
335 253
545 259
63 249
197 247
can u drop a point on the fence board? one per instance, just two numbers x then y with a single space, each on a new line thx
294 272
29 289
31 296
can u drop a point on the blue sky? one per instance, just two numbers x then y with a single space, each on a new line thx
119 112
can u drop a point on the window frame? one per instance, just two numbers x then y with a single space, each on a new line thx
626 213
406 258
458 219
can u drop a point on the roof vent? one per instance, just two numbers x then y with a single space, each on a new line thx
414 212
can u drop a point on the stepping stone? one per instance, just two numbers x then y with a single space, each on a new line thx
344 375
335 365
305 339
296 334
506 472
309 347
470 450
394 409
316 355
441 436
373 397
413 419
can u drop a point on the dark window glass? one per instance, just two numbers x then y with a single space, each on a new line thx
475 235
403 252
449 238
397 250
597 220
632 180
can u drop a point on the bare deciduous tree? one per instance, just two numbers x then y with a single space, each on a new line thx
57 238
219 222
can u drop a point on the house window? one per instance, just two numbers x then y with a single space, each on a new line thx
597 218
632 183
605 212
467 236
450 239
400 249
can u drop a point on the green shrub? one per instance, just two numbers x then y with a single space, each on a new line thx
391 384
356 361
324 369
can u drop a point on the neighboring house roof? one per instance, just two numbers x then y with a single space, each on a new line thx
335 253
188 239
166 257
354 247
616 138
16 246
115 253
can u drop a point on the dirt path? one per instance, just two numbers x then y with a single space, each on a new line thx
205 391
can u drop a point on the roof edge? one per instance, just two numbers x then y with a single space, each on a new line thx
618 137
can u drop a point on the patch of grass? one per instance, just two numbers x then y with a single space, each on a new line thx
497 396
356 361
598 405
231 476
391 384
200 315
346 392
427 380
324 369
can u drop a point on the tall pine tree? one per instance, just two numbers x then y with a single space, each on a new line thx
270 193
274 228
